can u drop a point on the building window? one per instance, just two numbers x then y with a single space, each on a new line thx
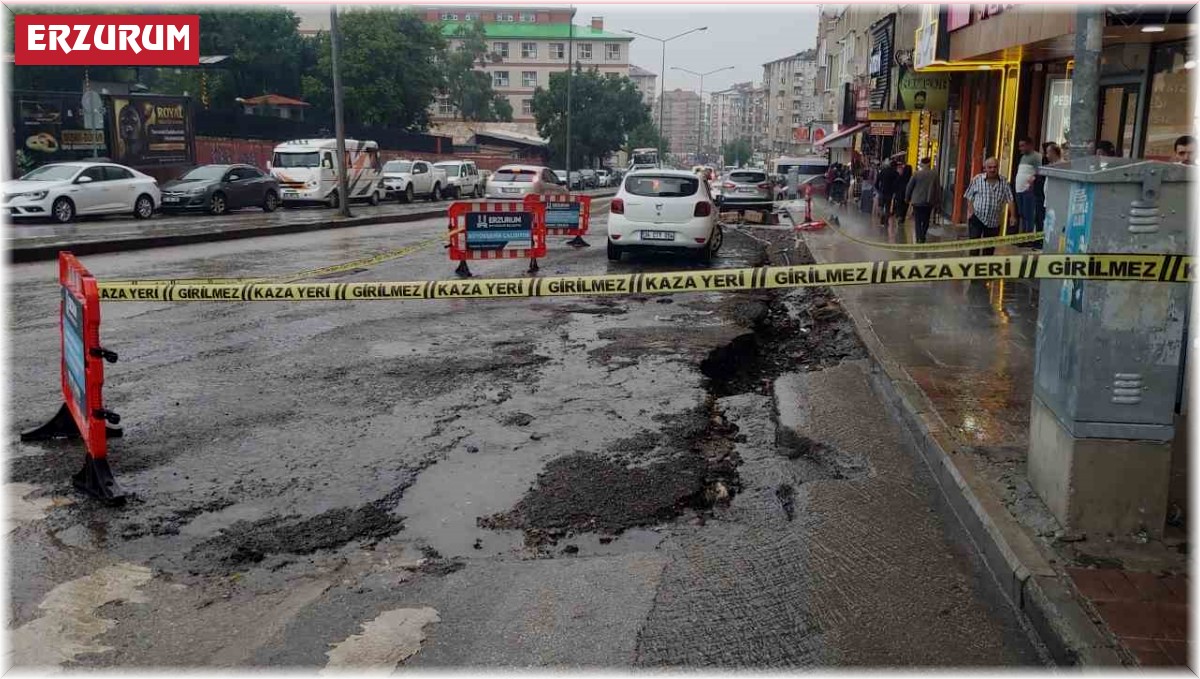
499 78
585 51
505 17
529 78
445 108
471 16
558 50
501 49
449 16
526 107
612 52
528 17
529 50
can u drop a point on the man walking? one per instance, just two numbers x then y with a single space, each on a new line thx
1027 166
923 193
885 188
987 195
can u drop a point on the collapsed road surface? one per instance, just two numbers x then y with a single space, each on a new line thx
685 480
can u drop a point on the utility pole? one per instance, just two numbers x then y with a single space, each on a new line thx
700 123
1085 81
570 76
662 77
338 122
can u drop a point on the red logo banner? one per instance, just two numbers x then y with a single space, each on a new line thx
107 40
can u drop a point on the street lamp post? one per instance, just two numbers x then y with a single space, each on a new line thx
700 122
662 76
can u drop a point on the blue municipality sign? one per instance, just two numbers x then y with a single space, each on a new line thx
73 353
499 230
563 215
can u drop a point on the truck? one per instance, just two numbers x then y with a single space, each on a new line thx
407 179
643 158
307 173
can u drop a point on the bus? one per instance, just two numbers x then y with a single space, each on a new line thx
640 158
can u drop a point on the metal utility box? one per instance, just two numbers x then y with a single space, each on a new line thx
1109 353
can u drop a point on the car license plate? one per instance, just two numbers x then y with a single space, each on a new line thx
506 190
170 199
658 235
290 194
746 190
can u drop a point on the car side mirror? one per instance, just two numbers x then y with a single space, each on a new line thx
84 180
269 166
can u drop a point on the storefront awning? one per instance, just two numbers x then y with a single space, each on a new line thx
842 138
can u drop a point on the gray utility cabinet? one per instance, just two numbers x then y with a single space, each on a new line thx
1109 354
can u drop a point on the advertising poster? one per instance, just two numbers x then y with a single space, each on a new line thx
73 354
563 216
48 128
152 130
500 230
922 91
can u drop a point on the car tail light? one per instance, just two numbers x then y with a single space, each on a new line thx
703 209
614 236
728 185
617 207
764 186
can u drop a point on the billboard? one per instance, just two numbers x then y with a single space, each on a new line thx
48 128
922 91
151 130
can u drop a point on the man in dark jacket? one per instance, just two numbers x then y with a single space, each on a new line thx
923 193
885 188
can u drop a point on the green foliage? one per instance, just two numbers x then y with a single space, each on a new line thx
605 109
737 151
468 89
646 136
392 69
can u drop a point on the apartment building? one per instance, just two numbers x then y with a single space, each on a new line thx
734 114
647 84
681 120
791 105
526 45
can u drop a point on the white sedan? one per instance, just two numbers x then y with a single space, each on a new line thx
63 190
658 209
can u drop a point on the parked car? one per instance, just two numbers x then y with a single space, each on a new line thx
307 173
562 176
750 189
462 178
590 179
407 179
62 191
518 181
661 209
218 189
605 177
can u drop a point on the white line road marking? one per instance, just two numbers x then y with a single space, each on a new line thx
70 622
384 643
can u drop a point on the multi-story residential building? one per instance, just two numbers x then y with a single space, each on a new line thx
681 120
790 102
647 84
526 45
734 115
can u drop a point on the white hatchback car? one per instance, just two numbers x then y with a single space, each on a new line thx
63 190
657 209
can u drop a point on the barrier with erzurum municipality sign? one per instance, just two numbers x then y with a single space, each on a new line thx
566 215
496 230
82 414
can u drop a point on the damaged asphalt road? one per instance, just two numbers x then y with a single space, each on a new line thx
685 480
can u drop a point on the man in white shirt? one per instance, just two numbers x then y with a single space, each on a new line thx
1027 166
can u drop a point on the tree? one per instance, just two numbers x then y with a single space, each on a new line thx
391 64
646 136
605 108
737 151
469 89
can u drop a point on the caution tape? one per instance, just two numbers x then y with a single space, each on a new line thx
1106 267
363 262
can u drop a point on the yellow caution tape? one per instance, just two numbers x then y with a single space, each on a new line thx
1106 267
290 277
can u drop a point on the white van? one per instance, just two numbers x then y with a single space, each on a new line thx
807 167
307 173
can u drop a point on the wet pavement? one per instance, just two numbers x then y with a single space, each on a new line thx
683 480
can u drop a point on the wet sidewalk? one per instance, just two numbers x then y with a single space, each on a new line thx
959 358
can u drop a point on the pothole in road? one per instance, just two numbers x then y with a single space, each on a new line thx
644 480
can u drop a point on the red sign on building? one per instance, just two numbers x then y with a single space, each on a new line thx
106 40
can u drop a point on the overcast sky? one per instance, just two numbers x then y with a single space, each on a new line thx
742 36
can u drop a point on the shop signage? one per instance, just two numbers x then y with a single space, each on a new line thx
800 134
152 130
1058 110
957 16
883 129
50 128
933 44
922 91
862 102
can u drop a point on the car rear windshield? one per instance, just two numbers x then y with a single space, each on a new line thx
748 177
521 176
662 187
